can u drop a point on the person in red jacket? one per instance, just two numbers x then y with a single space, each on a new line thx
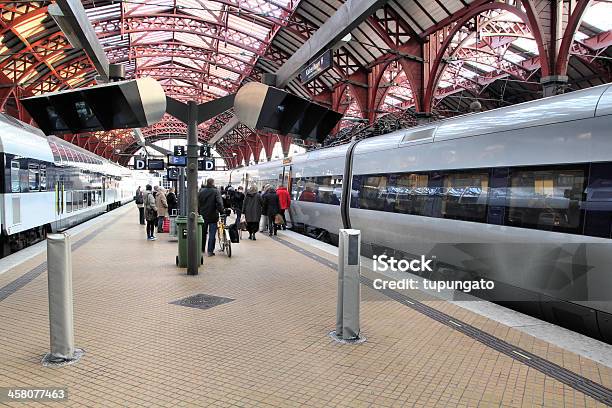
285 202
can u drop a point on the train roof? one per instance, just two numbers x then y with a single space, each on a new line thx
21 139
587 103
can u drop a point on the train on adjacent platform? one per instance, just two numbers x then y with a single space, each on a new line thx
49 185
520 195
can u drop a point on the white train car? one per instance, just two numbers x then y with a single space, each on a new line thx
48 184
519 195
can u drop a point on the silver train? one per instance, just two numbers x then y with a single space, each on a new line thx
520 195
49 185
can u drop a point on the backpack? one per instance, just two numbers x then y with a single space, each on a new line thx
139 198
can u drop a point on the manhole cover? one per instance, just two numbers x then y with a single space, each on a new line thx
202 301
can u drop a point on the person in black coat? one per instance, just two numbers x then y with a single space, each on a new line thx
172 202
271 207
209 207
237 202
251 208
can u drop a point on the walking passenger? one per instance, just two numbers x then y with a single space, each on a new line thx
150 212
237 202
252 208
285 201
271 208
209 207
139 200
263 225
162 208
172 202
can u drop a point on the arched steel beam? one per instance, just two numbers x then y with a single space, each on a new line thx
573 24
437 66
184 24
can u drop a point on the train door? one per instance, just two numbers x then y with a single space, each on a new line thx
60 204
103 189
287 177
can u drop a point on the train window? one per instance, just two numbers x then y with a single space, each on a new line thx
598 204
33 177
547 199
55 151
374 193
329 189
320 189
307 189
43 177
464 196
411 193
68 201
15 181
62 153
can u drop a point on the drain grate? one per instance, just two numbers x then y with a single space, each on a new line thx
592 389
202 301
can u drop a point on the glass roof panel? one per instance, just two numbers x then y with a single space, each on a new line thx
148 7
513 57
151 37
599 15
224 73
527 45
190 62
104 12
192 39
246 26
206 10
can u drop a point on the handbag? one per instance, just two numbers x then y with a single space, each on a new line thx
278 219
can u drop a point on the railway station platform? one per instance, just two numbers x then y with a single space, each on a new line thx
264 340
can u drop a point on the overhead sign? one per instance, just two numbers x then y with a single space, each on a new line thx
173 173
205 150
180 161
206 165
117 105
140 164
156 164
321 64
267 108
180 151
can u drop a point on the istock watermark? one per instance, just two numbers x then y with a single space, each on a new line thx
383 263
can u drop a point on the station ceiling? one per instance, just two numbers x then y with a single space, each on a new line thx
199 50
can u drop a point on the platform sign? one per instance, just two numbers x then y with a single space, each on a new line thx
206 165
321 64
180 151
205 150
156 164
140 164
173 173
180 161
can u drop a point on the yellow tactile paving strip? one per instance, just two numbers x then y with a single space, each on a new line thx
267 348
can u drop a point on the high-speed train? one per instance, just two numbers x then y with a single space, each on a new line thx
520 195
49 185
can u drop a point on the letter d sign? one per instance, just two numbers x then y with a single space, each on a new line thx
140 164
209 165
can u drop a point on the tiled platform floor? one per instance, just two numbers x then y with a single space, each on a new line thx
269 347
